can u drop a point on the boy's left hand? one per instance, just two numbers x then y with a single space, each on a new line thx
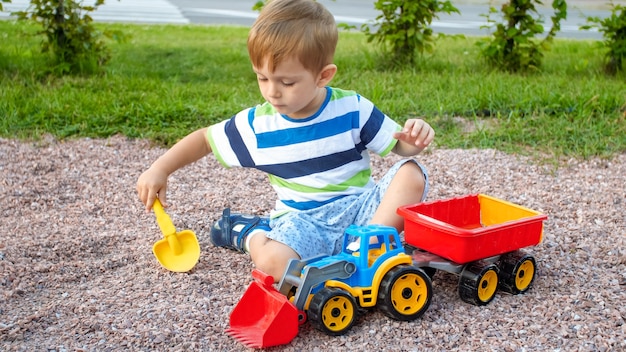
417 133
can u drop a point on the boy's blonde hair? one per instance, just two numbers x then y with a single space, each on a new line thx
301 29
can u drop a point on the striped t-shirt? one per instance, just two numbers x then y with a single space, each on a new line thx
311 161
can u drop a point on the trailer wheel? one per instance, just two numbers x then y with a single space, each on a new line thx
405 293
332 311
517 272
478 283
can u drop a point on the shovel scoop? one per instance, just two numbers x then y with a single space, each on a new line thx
177 251
264 317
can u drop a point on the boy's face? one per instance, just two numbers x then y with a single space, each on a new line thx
291 89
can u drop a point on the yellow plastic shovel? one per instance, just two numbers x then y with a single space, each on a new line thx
177 251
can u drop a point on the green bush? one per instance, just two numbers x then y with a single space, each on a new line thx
614 31
403 27
1 1
70 36
513 46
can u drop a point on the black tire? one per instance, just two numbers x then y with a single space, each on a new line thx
478 283
517 272
405 293
430 272
332 311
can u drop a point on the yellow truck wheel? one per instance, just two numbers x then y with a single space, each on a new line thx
405 293
332 311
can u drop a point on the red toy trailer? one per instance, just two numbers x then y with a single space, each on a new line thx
477 237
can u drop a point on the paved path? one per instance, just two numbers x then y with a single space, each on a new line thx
128 11
353 12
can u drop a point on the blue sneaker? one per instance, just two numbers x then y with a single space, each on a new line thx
231 230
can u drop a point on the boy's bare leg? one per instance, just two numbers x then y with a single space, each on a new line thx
406 187
270 256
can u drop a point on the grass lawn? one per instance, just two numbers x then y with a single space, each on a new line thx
167 80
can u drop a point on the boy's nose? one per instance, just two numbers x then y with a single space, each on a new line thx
274 92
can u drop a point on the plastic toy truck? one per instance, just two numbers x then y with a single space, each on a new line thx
477 237
372 270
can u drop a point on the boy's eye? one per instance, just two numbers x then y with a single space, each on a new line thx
288 84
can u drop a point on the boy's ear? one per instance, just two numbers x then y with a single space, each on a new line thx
326 75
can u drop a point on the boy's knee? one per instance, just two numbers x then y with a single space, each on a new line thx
412 175
272 261
412 182
271 265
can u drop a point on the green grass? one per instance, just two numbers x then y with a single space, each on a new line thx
166 81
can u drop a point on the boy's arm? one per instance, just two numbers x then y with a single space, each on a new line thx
415 136
153 182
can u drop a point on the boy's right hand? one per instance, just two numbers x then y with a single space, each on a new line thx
152 184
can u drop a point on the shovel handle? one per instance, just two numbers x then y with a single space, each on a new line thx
164 220
174 244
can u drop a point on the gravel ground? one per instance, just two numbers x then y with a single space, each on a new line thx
77 271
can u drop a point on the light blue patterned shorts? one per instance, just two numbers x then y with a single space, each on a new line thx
320 231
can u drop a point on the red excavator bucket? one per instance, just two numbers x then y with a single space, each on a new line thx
263 317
